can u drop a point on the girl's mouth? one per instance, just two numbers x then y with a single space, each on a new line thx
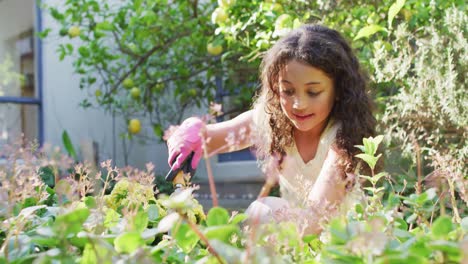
302 117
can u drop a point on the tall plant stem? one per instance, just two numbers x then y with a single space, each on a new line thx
203 238
214 195
419 167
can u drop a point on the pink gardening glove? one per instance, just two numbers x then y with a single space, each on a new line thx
185 140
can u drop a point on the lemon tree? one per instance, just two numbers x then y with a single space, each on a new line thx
130 53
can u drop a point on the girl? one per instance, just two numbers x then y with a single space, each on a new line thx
311 111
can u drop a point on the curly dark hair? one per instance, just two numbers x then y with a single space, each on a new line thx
325 49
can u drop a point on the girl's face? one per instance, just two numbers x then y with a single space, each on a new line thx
307 95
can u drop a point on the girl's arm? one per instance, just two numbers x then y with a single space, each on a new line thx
328 191
237 129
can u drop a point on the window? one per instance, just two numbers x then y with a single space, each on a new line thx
20 75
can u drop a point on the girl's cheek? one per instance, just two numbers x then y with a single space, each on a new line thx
284 100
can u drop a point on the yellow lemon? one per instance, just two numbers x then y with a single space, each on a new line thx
214 49
226 3
128 83
135 93
98 93
134 126
219 16
73 31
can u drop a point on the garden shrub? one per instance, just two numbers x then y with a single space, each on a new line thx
72 223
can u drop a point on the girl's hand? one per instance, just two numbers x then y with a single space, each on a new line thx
185 140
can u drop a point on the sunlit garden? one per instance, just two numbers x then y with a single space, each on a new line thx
154 63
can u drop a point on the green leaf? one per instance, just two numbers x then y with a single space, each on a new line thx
140 221
309 238
43 34
393 11
89 255
105 26
378 176
229 253
158 130
153 212
90 202
238 218
393 200
83 51
18 247
448 247
47 176
411 218
370 160
79 242
128 242
149 234
368 31
369 146
401 234
217 216
361 148
431 193
376 141
221 232
112 218
69 48
399 259
401 224
339 235
72 222
68 145
185 237
56 14
442 226
358 208
422 198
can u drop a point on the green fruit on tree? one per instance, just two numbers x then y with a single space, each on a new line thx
158 88
134 126
135 92
98 93
213 49
74 31
128 83
226 3
192 92
219 16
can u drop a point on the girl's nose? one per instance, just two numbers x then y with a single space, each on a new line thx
299 103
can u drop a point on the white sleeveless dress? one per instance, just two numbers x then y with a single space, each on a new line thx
297 178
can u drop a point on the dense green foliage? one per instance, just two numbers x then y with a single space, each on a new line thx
77 222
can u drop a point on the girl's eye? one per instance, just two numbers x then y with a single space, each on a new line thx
313 94
288 92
